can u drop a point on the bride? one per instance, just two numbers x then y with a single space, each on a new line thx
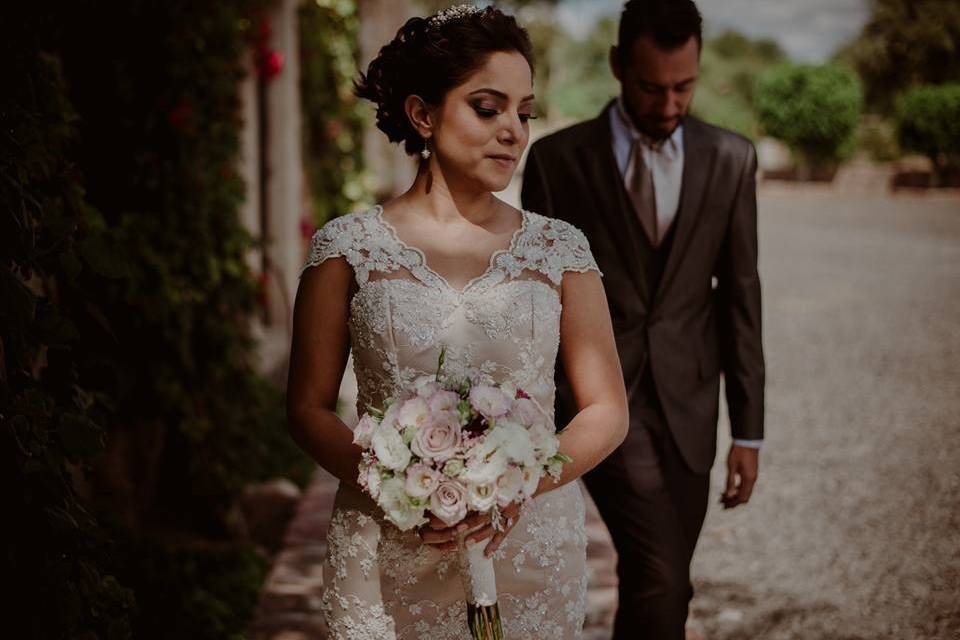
449 266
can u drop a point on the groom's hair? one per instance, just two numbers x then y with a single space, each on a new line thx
671 23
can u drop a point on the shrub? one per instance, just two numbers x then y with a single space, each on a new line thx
878 139
814 110
928 122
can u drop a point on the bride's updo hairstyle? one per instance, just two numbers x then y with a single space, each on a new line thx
430 56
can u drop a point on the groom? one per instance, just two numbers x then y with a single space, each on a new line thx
668 203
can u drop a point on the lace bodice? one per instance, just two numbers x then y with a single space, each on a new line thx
502 326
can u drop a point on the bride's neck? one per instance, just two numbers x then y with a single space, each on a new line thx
445 201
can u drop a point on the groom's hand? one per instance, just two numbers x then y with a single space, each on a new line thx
742 467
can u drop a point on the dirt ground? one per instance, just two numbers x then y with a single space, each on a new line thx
854 529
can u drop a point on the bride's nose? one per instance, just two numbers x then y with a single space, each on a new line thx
512 131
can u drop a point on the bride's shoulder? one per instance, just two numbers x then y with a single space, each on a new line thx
554 230
555 246
348 236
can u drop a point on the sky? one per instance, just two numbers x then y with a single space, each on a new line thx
808 30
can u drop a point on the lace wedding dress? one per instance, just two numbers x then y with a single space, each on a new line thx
381 583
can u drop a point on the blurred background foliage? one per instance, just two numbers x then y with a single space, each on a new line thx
332 117
815 110
126 450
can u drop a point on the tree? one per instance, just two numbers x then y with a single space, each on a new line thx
814 110
928 122
906 43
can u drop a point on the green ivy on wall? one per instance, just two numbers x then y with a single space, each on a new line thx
332 117
55 552
132 412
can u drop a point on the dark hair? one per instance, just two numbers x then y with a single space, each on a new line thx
428 60
671 23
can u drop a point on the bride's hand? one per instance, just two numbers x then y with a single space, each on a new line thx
477 527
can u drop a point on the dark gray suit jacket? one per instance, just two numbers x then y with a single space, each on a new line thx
688 329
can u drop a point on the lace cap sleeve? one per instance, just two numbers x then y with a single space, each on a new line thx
348 236
555 248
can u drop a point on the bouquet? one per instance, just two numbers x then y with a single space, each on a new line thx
451 448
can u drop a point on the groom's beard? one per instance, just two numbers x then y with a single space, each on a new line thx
660 129
657 129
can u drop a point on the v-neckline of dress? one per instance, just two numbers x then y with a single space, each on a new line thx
422 257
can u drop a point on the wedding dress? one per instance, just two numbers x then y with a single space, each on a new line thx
379 582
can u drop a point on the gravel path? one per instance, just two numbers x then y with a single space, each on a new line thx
854 529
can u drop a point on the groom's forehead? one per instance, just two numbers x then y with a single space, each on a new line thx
649 62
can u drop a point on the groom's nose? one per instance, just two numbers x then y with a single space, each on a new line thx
671 106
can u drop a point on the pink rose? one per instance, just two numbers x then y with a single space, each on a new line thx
449 502
364 431
437 440
526 412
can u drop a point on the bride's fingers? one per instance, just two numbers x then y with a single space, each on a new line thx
442 536
494 543
480 534
511 514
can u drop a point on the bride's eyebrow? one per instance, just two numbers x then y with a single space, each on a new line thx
499 94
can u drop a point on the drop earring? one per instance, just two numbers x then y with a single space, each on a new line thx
425 154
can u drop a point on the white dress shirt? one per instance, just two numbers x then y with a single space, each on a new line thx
665 160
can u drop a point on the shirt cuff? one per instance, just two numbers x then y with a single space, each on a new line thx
751 444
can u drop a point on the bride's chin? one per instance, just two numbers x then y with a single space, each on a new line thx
495 183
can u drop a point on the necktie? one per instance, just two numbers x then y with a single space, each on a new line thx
640 186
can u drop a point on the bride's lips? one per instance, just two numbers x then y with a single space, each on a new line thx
504 160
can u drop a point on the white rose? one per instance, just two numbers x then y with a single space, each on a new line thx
509 485
421 481
413 413
437 440
364 431
531 480
398 507
517 443
444 401
390 416
484 470
449 502
481 497
388 445
372 481
490 401
544 440
426 386
491 442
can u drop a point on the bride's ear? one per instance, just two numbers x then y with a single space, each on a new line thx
420 115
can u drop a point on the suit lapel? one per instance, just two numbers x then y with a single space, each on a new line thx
699 157
615 211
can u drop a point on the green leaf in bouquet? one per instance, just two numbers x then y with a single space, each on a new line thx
453 468
376 413
440 361
466 412
562 457
408 434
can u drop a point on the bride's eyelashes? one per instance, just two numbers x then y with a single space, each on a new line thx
486 113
